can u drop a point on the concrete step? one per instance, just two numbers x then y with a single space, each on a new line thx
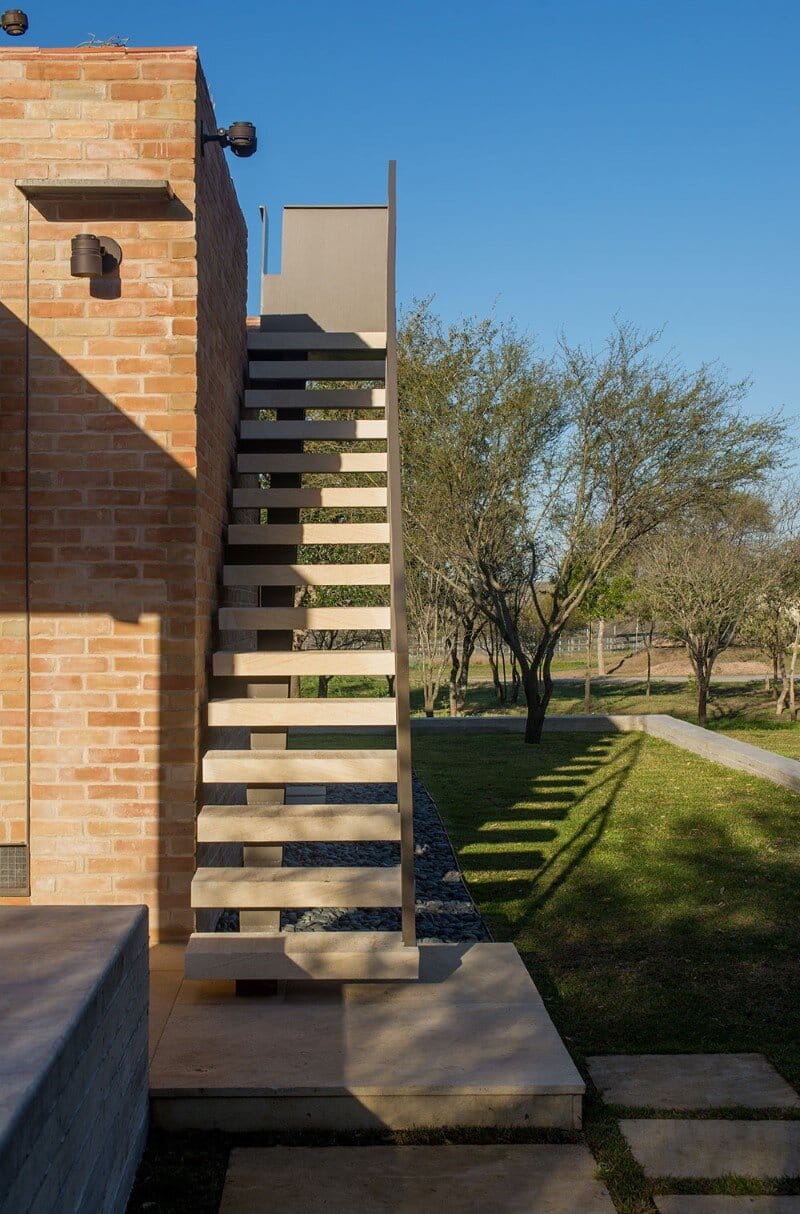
340 431
295 888
324 497
298 824
337 956
308 533
315 398
262 618
314 339
362 574
309 369
299 767
322 461
304 662
256 713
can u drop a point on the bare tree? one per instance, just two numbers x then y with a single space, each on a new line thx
547 473
701 579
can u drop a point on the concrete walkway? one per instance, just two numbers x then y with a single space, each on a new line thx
414 1180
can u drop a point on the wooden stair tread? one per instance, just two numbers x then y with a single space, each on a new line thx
308 533
256 713
304 662
317 369
352 618
299 766
365 573
312 498
332 956
315 398
298 823
314 339
312 431
295 888
320 461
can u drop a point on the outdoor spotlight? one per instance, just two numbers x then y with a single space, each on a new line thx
240 137
93 256
14 22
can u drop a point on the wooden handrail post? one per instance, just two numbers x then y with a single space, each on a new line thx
405 792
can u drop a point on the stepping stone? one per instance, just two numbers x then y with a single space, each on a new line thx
383 1180
705 1149
728 1205
691 1081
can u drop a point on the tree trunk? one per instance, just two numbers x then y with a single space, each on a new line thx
390 684
587 682
775 691
703 679
780 703
793 675
601 653
649 650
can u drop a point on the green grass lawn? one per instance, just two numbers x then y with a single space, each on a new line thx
743 710
654 897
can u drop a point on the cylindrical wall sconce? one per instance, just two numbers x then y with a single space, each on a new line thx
14 22
93 256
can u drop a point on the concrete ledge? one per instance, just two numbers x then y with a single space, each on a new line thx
73 1070
469 1044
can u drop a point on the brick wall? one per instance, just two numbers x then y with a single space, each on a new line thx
130 425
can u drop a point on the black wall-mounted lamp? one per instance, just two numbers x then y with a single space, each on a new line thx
240 137
93 256
14 22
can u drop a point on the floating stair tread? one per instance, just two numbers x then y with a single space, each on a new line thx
312 498
315 398
362 574
295 888
335 956
258 713
304 617
308 533
319 431
314 339
304 662
318 369
299 766
323 823
319 461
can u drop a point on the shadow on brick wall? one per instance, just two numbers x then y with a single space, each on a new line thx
97 535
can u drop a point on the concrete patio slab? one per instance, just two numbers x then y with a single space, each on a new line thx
410 1180
470 1043
718 1204
691 1081
708 1149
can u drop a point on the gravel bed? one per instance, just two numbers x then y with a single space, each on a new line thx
445 911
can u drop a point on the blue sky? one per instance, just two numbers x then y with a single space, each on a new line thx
562 161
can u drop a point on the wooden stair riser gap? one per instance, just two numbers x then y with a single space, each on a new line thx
362 574
277 341
313 431
324 497
295 534
317 370
315 398
324 461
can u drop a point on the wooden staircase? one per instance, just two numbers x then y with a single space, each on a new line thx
282 473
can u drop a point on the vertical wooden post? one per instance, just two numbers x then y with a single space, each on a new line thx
397 590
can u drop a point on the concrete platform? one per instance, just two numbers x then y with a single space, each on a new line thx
691 1081
386 1180
699 1150
728 1205
470 1043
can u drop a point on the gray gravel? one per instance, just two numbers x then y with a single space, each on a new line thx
445 910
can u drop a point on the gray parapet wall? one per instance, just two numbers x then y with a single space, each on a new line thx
73 1069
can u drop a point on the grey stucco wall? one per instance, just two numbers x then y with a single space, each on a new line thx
73 1064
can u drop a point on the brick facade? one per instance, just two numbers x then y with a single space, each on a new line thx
119 406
